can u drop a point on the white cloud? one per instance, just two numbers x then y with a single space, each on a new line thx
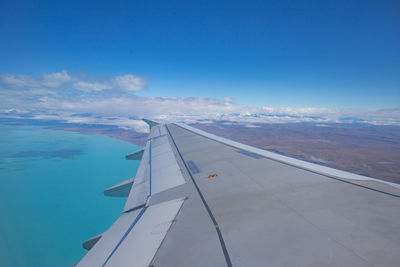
130 82
91 86
41 98
52 80
65 80
319 160
55 79
228 99
19 80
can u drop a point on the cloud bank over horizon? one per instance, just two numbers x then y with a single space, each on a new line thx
78 98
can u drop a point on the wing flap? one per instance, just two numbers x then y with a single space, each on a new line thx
157 172
141 187
99 253
166 173
146 236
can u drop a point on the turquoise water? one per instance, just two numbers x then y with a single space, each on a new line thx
51 192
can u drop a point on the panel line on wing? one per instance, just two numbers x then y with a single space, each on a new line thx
139 215
220 237
125 235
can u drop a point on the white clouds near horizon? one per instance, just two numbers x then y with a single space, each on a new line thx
64 96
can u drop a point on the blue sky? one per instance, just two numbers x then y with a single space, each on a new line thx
330 54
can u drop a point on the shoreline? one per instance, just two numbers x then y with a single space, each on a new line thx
368 150
129 136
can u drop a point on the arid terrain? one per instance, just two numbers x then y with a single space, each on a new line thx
364 149
359 148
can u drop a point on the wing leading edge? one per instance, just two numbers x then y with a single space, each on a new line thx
202 200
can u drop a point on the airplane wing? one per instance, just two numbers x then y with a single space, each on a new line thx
202 200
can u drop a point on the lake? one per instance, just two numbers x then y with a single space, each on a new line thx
51 192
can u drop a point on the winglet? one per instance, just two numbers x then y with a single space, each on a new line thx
150 123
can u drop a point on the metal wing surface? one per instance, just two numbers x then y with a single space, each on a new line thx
202 200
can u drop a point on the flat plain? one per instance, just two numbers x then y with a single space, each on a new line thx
366 149
371 150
